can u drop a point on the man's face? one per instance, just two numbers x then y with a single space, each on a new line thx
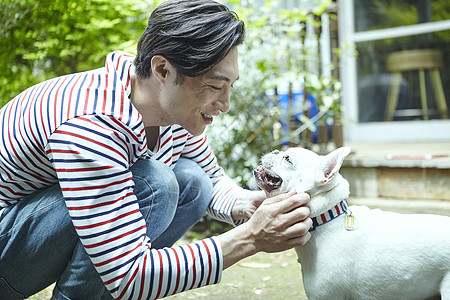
195 102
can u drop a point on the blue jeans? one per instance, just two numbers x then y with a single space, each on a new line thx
39 245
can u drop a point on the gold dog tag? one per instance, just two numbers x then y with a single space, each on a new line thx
350 222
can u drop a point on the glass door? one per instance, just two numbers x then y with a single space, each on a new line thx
396 69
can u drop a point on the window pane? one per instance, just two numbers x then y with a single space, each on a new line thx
374 77
377 14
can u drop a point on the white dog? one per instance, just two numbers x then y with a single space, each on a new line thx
355 252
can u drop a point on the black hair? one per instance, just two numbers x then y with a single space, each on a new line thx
192 35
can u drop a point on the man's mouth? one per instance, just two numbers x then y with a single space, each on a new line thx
266 181
207 118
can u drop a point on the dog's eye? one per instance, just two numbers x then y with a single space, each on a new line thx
287 159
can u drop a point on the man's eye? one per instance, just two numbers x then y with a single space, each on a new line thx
215 88
287 159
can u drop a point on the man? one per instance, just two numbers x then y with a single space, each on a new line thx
101 170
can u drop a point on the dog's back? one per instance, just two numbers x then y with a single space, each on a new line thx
388 256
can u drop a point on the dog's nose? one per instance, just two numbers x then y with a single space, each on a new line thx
275 152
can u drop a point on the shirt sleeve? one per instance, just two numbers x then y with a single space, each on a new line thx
92 156
225 189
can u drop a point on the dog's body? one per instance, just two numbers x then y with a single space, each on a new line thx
387 256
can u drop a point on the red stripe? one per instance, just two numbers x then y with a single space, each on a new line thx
205 158
212 168
114 238
95 187
337 210
204 140
63 151
179 137
324 219
70 97
12 191
208 281
125 129
42 109
92 141
115 279
34 174
56 98
165 142
104 129
177 282
161 271
29 122
128 284
87 95
116 257
144 266
194 272
84 169
122 99
107 221
105 96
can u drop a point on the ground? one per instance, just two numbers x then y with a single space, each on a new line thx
262 276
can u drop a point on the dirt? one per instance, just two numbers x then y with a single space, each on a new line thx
262 276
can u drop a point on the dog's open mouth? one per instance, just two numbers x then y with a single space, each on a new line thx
266 181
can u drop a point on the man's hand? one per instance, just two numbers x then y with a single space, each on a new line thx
246 204
278 224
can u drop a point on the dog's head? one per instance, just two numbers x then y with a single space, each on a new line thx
302 169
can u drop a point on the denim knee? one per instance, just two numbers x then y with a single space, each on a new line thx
154 176
156 189
194 181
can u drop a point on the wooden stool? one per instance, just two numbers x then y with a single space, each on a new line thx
416 60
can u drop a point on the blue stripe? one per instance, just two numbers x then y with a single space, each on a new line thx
63 96
77 103
202 267
127 262
118 227
210 161
115 209
200 154
111 125
63 179
186 270
118 246
96 132
48 104
38 111
166 131
113 94
165 152
28 133
64 142
330 212
152 273
169 276
216 278
72 161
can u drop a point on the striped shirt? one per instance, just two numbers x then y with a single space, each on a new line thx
82 131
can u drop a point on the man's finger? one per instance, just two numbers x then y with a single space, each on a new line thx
296 215
292 202
279 197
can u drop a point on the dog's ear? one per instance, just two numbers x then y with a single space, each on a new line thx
330 165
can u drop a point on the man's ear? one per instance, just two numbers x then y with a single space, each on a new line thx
330 165
161 68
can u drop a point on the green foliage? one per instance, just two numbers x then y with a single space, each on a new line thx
271 57
41 39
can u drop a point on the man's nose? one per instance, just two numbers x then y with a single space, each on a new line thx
223 103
